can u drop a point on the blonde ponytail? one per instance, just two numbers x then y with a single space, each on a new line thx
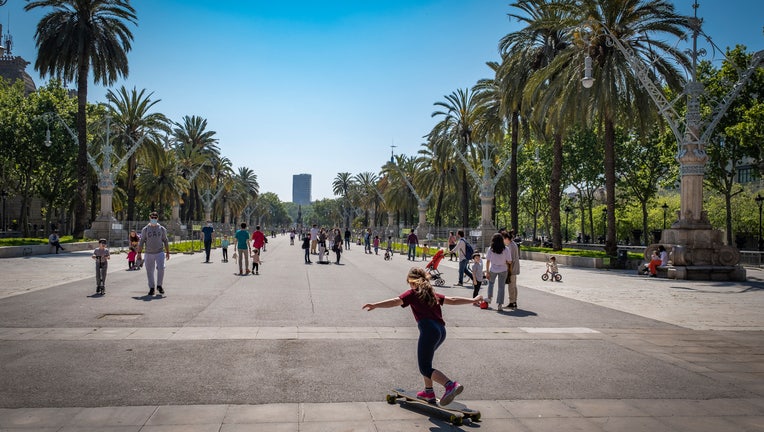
423 287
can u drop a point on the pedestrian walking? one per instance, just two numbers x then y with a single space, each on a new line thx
514 267
154 238
497 260
224 243
306 247
101 257
413 241
314 239
322 247
367 241
376 245
464 252
477 273
337 247
256 261
258 239
207 236
451 245
348 234
426 307
242 248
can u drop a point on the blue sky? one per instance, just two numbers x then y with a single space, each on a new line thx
323 87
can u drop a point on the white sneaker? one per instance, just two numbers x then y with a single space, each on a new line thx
499 308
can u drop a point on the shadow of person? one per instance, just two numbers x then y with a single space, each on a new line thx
520 313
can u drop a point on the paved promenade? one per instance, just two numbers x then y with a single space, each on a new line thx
291 350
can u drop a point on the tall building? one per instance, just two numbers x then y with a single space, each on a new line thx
301 189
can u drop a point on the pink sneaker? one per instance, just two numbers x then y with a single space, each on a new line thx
427 396
451 392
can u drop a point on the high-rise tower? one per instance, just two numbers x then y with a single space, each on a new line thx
301 184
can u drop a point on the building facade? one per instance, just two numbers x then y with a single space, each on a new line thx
301 188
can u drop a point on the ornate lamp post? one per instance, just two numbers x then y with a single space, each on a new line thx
760 201
695 245
665 208
106 172
422 203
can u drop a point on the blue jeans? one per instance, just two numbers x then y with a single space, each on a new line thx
464 269
431 336
412 252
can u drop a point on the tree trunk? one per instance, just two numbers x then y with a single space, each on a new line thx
728 217
131 165
611 248
644 223
513 192
465 200
554 192
80 208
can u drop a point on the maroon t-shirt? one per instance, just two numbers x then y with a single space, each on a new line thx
421 310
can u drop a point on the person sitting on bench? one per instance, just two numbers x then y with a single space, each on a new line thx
55 241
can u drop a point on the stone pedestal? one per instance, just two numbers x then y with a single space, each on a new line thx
697 252
103 228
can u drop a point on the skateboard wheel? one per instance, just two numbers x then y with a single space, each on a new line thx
391 399
456 421
476 417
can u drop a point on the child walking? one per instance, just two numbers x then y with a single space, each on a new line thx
101 257
256 261
426 307
131 259
376 245
224 246
477 271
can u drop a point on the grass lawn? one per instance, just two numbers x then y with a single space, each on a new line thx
577 252
25 241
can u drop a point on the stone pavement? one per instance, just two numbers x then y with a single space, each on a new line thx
715 332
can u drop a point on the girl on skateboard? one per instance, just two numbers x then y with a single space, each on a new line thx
426 306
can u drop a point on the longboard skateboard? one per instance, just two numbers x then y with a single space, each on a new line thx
455 411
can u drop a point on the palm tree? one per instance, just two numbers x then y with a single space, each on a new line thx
617 94
398 196
341 186
193 140
222 175
77 38
245 190
366 183
159 180
528 52
439 170
133 121
461 113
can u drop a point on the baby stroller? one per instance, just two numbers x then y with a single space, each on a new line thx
432 268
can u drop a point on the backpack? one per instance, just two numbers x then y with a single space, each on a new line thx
468 250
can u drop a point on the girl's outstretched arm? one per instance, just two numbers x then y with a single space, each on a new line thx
395 301
462 300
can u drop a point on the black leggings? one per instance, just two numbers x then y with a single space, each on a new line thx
476 289
431 335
